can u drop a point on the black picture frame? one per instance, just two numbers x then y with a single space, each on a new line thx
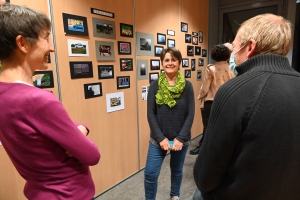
154 64
126 30
194 34
193 64
187 73
200 62
153 76
184 27
81 69
161 38
75 25
190 50
171 43
188 38
185 62
105 71
123 82
200 36
92 90
124 48
158 50
43 79
126 64
197 51
170 32
195 40
204 52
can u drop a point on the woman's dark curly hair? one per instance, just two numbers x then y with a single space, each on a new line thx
220 53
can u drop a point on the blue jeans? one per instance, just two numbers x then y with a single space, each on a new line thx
154 162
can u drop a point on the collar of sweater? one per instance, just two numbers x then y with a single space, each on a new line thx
265 62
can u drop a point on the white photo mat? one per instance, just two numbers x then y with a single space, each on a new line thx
115 101
78 48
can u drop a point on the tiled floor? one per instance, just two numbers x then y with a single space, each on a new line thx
133 187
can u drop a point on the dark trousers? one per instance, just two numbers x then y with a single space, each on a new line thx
205 112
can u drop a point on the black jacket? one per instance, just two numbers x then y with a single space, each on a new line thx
251 148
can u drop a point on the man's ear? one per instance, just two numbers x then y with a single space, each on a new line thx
251 48
22 43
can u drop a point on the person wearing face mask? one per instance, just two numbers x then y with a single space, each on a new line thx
251 149
170 113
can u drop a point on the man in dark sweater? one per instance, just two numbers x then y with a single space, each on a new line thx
252 144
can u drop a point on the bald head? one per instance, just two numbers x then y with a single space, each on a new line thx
229 46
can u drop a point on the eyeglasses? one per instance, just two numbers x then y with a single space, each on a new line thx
169 61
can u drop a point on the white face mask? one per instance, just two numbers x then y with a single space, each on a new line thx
232 60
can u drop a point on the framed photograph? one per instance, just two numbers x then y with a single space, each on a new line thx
184 27
193 64
185 62
154 64
171 43
123 82
92 90
142 69
75 25
161 38
170 32
124 48
126 64
115 101
43 79
197 50
201 62
199 75
195 40
204 52
153 76
126 30
78 48
82 69
144 44
187 73
158 50
105 71
105 50
188 38
190 50
48 58
194 34
104 28
200 36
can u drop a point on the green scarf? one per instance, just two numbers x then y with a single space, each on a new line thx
166 93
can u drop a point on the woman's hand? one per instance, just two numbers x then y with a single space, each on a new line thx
165 144
177 146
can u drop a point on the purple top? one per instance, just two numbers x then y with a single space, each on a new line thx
36 131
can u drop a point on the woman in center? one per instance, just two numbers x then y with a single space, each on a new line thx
170 112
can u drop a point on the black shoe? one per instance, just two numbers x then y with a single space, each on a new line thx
195 151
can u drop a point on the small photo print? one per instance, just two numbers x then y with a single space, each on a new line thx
185 62
197 50
155 64
145 44
188 38
204 52
43 79
199 75
75 25
126 64
81 69
104 28
187 73
78 48
115 101
201 62
193 64
123 82
105 71
190 50
195 40
124 47
92 90
153 76
105 50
